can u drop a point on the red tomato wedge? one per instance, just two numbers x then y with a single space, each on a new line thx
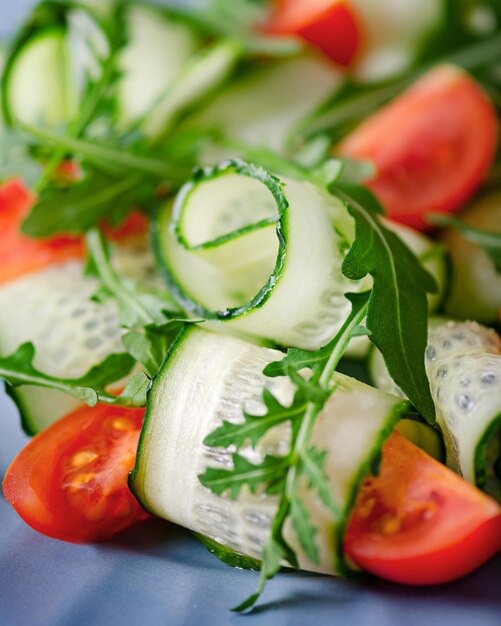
418 523
20 254
70 481
330 25
432 146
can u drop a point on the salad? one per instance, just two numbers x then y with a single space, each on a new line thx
207 211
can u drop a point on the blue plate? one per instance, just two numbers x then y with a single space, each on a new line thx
158 574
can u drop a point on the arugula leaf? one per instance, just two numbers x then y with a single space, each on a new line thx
312 467
255 426
273 554
77 208
304 529
488 240
18 369
397 313
244 473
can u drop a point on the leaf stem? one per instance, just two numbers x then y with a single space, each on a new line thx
98 251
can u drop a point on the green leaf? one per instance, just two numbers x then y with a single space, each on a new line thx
398 310
313 468
78 207
244 473
304 529
255 426
488 240
270 564
136 390
18 369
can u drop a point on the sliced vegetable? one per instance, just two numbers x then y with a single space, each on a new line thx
241 242
374 40
70 482
475 291
36 85
208 378
432 146
463 362
157 49
417 523
20 254
332 26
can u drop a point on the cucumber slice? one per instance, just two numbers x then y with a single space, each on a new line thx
475 291
71 333
263 107
52 308
424 436
463 362
245 247
158 48
36 86
206 379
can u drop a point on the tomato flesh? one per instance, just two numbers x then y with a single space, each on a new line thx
20 254
432 146
70 481
329 25
418 523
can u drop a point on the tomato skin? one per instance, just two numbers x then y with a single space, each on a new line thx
432 146
20 254
70 481
418 523
330 25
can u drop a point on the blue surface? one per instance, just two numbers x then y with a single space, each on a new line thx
158 574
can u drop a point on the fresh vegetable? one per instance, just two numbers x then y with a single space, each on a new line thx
432 146
475 291
418 523
70 482
304 452
329 25
463 362
20 254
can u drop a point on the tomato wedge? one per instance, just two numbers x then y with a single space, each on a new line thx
329 25
70 481
432 146
418 523
21 255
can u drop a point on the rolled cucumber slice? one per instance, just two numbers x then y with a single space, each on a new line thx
208 378
463 362
37 85
258 256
